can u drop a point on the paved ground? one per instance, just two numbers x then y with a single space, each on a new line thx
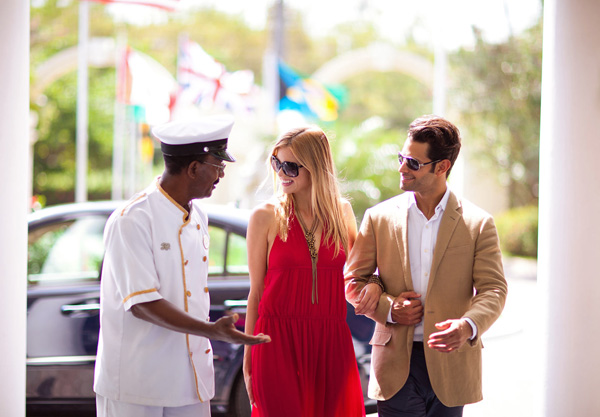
510 365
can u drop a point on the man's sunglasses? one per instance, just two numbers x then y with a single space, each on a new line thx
413 164
289 168
220 167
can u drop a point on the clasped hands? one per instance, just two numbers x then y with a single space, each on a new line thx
407 310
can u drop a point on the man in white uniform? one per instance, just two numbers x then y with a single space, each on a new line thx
154 356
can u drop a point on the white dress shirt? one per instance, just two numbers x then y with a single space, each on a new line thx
422 238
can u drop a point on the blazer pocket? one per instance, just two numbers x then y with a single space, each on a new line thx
380 338
455 250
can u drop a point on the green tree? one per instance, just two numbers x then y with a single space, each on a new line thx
54 29
496 93
370 133
497 90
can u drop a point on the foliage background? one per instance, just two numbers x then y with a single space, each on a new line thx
494 93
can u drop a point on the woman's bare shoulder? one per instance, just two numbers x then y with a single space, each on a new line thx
264 212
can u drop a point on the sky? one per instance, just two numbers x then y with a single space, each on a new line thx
449 21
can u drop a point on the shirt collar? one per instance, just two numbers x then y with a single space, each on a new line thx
175 204
444 201
412 201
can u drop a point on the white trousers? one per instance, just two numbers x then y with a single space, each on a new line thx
111 408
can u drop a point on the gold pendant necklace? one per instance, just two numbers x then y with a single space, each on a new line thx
312 249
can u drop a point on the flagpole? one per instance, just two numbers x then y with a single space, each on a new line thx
439 82
273 55
82 104
440 69
119 117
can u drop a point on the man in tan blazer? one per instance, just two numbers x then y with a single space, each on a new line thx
427 268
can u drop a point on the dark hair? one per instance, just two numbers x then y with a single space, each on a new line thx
441 135
175 164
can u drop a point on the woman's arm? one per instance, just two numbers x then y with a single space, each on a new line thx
261 222
368 298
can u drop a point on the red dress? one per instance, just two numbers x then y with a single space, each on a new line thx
309 369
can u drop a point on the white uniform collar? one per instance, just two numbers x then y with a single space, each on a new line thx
175 204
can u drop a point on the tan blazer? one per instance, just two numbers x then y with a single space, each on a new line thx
466 280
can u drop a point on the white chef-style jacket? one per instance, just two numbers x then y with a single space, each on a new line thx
154 250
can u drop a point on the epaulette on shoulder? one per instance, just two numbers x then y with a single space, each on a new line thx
135 200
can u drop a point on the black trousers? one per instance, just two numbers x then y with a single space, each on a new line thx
416 398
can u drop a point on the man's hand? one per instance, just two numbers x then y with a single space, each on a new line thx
407 309
453 334
163 313
224 329
367 299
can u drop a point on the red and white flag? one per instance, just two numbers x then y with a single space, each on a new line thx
205 82
144 82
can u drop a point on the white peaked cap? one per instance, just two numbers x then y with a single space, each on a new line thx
206 135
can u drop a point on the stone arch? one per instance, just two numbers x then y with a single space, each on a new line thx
101 54
376 57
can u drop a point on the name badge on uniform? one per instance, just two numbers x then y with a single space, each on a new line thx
206 241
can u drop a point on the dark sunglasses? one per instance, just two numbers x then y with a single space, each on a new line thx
289 168
413 163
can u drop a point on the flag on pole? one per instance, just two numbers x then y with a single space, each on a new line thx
141 81
169 5
205 82
306 95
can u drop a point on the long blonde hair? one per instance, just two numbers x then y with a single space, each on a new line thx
311 148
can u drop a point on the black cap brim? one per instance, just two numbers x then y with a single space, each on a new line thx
222 154
218 149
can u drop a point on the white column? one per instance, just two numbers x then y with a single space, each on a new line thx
569 221
118 162
14 165
82 104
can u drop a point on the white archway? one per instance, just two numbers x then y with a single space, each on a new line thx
376 57
102 53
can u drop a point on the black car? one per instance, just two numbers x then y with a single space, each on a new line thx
64 263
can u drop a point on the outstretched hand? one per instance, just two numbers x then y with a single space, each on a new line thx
368 299
453 334
224 330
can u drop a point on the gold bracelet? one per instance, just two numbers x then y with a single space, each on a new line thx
375 279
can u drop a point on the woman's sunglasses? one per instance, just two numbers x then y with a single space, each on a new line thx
413 164
289 168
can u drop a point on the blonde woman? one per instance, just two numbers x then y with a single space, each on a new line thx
297 246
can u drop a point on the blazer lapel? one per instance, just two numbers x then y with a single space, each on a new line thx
452 214
401 237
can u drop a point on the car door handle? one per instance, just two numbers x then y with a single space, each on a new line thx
236 306
81 309
235 303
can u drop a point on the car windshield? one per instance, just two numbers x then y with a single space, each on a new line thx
66 250
227 253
